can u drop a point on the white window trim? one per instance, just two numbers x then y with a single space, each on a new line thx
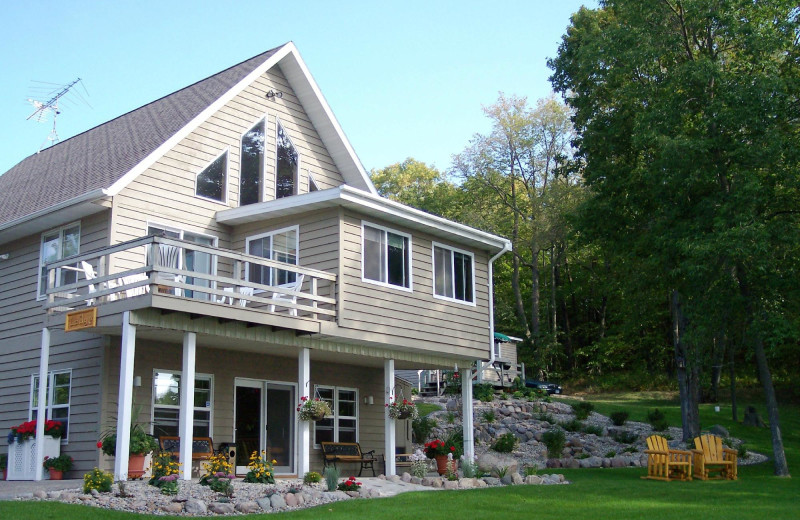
198 375
299 160
60 229
364 279
335 410
51 375
262 196
295 228
227 177
452 250
311 181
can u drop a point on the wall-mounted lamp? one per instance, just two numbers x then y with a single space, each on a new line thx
369 400
272 94
4 256
137 381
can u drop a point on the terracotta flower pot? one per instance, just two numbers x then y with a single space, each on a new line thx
441 464
56 474
135 466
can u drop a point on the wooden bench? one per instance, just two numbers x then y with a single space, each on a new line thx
665 463
202 447
333 452
403 460
711 456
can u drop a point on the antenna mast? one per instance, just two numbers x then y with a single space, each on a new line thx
43 109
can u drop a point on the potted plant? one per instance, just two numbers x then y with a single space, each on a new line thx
22 447
312 409
403 410
141 444
27 430
439 450
58 465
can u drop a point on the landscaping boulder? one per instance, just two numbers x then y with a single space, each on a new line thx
247 507
221 508
277 501
194 506
719 431
264 503
491 461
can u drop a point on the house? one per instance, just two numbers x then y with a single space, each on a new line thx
218 254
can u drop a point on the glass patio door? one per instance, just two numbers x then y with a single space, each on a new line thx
265 421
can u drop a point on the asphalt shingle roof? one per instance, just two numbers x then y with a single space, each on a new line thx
97 158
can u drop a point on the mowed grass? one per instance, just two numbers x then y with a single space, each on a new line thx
594 494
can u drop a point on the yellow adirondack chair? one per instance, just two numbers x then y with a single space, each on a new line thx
710 456
665 463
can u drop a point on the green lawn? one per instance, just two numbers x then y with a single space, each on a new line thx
593 495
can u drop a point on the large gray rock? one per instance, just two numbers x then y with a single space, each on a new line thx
516 479
534 480
277 501
264 503
451 484
466 483
719 431
453 405
492 481
291 500
173 507
491 461
248 507
221 508
194 506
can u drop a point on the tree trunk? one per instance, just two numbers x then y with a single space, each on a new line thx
687 380
534 316
553 287
718 357
732 376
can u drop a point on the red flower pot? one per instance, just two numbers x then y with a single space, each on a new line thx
135 466
55 474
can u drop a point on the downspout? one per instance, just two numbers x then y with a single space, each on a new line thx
506 249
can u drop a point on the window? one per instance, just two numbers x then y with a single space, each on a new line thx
343 426
312 184
167 402
59 244
59 387
386 256
453 273
212 182
288 165
280 245
252 166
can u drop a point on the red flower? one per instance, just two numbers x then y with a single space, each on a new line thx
452 448
99 444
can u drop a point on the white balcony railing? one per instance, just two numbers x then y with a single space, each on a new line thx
181 269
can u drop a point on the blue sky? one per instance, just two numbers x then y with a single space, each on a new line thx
404 79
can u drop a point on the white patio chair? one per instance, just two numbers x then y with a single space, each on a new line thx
169 256
290 298
231 295
133 278
89 274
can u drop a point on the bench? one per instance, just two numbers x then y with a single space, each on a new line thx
403 460
665 463
350 452
710 456
202 447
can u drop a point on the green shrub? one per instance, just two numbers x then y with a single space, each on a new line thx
530 470
619 418
573 425
99 480
611 454
582 410
312 477
582 456
657 420
505 443
518 394
421 429
546 417
331 476
630 449
456 438
742 451
593 429
554 440
483 392
489 416
625 437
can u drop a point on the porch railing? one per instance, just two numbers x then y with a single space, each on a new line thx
158 265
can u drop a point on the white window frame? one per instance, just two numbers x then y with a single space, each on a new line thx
312 182
227 177
209 408
452 250
296 182
262 195
335 409
385 267
247 240
39 288
34 392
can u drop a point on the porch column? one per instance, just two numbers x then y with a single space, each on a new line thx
303 427
125 398
41 410
186 417
388 383
466 413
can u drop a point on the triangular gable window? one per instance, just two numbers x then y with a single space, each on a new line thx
212 181
288 166
250 187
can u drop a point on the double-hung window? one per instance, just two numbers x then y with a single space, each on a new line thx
280 245
453 274
59 244
167 403
386 256
343 426
59 386
212 182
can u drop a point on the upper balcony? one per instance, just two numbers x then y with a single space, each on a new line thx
177 276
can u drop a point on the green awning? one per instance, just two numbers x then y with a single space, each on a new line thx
501 337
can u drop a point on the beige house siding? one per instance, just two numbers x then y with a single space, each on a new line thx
435 324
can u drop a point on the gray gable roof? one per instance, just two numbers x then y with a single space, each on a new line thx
99 157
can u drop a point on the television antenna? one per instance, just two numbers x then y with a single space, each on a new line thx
43 109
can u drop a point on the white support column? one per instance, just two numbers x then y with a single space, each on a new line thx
125 399
186 417
388 383
41 411
466 413
303 427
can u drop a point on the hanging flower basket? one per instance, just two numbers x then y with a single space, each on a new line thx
312 409
402 410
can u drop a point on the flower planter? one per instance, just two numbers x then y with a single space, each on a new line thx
56 474
22 463
404 415
441 464
135 466
318 417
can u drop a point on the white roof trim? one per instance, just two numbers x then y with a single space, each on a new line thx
348 196
86 197
295 69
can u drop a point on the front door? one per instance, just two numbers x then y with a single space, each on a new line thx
265 421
